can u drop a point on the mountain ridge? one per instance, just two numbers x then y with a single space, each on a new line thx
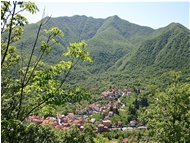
117 45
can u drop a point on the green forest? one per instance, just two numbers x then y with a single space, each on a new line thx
81 79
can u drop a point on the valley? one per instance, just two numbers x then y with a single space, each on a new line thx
81 79
121 51
106 114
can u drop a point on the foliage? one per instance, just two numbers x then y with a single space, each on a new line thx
166 48
29 85
129 53
27 132
97 116
30 132
100 139
168 116
171 76
74 135
37 77
89 133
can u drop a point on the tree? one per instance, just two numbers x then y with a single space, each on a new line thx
28 132
29 84
171 77
167 117
89 133
74 135
101 139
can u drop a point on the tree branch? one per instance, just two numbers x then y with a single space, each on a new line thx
30 59
36 63
2 17
5 22
45 100
20 11
9 37
23 84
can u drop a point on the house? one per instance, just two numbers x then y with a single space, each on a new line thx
49 121
124 128
79 122
125 140
58 126
82 112
65 120
35 119
93 120
128 91
76 122
106 129
108 94
119 123
66 125
71 115
100 128
106 117
107 123
94 107
132 123
110 114
90 112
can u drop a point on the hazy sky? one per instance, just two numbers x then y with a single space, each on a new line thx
153 14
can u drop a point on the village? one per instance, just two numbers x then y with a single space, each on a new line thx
107 110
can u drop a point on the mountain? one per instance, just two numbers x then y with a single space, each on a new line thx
168 47
118 46
109 39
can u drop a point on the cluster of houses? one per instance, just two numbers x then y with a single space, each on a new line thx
66 121
107 111
115 93
60 121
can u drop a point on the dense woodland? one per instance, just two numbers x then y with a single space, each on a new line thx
121 81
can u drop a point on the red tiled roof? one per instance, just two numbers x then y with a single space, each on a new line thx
125 140
37 120
100 125
58 126
66 125
48 122
71 115
105 127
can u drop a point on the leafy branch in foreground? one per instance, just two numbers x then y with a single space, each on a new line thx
28 84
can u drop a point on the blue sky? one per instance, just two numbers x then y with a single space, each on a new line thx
152 14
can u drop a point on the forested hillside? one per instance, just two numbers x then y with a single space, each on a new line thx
116 44
85 80
121 49
165 48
